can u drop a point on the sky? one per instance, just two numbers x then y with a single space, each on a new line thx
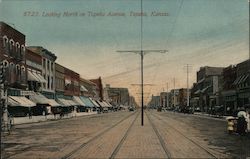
195 32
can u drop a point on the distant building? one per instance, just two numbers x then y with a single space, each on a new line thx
99 88
164 99
154 102
242 83
229 89
182 97
174 98
118 96
206 92
12 54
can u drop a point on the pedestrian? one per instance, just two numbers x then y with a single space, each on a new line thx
241 124
30 114
248 120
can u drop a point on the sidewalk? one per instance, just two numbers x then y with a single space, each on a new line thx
210 116
35 119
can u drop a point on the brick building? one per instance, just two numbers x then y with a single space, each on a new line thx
59 80
12 54
87 88
229 91
72 79
48 70
242 84
35 78
206 92
99 88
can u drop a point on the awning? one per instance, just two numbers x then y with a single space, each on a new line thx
20 101
53 103
72 103
40 77
63 102
66 102
200 81
197 92
106 104
244 78
102 104
94 102
83 89
241 79
78 101
39 99
204 89
87 102
32 77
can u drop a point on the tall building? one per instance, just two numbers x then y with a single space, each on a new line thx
229 89
208 88
12 54
242 83
34 70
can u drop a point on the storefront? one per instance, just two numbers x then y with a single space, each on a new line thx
19 106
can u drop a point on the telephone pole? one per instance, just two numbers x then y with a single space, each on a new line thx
142 53
167 96
187 69
174 92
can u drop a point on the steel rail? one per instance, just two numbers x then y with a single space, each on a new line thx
95 137
162 142
195 143
118 147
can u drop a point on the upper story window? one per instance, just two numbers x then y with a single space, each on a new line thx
5 41
48 65
44 63
5 64
12 67
23 49
18 70
52 65
18 48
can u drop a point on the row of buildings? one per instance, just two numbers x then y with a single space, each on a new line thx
224 88
32 76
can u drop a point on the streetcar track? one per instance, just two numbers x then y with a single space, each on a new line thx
118 147
96 137
197 144
162 142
